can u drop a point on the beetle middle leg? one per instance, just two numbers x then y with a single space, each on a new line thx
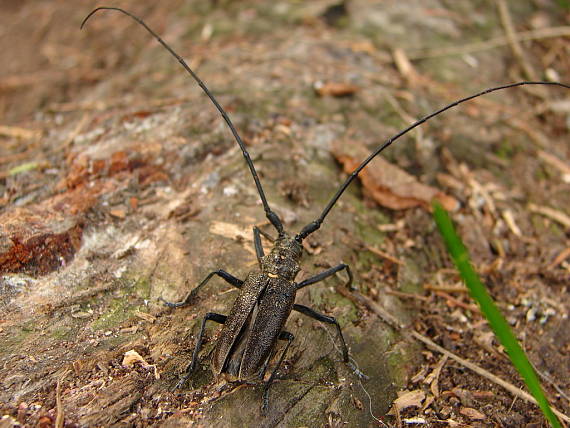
229 278
324 275
326 319
321 317
210 316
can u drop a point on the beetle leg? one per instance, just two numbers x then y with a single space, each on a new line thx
326 319
229 278
284 335
210 316
329 272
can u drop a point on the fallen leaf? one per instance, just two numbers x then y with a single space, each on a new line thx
409 399
387 184
472 413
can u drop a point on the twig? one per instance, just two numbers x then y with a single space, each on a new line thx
456 302
562 166
446 288
543 33
510 220
551 213
564 254
407 295
384 255
60 416
507 22
20 133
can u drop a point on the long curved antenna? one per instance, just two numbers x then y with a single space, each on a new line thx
316 224
271 216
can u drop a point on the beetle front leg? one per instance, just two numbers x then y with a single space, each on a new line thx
257 232
329 272
284 335
257 244
210 316
229 278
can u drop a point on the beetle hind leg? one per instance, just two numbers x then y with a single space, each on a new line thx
284 335
210 316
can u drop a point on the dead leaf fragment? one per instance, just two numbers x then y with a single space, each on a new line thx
472 413
334 89
387 184
409 399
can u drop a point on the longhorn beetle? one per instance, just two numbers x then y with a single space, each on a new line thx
267 296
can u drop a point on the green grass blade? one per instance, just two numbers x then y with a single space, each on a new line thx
496 320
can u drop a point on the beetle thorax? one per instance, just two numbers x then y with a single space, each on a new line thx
283 260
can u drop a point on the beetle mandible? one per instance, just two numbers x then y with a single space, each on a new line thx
267 296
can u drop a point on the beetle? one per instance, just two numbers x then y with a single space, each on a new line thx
267 295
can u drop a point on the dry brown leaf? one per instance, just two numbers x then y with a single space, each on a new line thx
387 184
472 413
334 89
409 399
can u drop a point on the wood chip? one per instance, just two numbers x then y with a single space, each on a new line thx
334 89
132 357
403 64
118 213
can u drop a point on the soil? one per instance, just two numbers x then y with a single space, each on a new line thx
120 185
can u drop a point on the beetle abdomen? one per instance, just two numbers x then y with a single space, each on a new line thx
233 328
274 309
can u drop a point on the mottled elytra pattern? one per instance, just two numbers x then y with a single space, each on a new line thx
267 296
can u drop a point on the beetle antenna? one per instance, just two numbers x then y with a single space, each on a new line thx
271 215
316 224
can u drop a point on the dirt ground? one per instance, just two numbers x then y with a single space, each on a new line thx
120 185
